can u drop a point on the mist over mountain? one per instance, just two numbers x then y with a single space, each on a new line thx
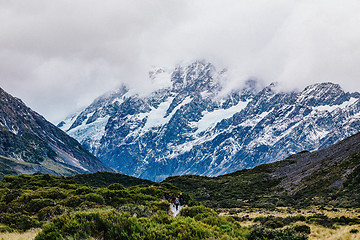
191 127
29 144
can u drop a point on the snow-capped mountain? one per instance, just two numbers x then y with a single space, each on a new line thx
29 143
191 128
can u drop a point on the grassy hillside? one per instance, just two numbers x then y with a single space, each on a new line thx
329 183
254 188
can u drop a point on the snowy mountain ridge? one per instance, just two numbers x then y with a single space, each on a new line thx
189 128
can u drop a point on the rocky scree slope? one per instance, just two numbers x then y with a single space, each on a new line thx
29 143
191 127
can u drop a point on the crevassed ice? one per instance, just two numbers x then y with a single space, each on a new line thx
69 121
210 119
254 121
95 130
332 108
156 117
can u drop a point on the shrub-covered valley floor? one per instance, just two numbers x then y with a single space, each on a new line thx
43 206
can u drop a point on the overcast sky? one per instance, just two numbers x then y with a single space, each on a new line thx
57 56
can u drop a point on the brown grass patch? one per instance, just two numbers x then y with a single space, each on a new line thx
341 232
28 235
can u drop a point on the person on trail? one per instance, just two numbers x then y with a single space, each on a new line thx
177 203
173 199
181 199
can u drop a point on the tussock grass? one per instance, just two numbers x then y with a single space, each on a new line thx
290 212
248 218
28 235
340 233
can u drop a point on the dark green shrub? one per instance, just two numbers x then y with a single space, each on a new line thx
144 198
82 225
259 219
136 210
15 207
169 186
229 203
301 218
117 201
273 224
83 190
18 221
86 205
72 201
9 178
28 196
320 219
302 229
116 186
67 186
346 220
114 197
11 195
161 217
93 197
204 215
193 211
36 204
354 230
156 205
266 205
212 220
3 207
47 213
225 228
54 193
180 228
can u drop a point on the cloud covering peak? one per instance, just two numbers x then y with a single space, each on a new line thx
59 55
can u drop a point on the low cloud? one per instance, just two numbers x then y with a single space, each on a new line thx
59 55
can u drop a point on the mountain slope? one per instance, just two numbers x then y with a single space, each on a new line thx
29 143
192 127
330 176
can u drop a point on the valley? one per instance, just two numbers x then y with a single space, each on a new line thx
43 206
257 163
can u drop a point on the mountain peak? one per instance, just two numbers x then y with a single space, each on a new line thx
196 77
193 127
324 88
323 94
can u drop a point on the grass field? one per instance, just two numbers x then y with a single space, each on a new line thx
28 235
337 231
61 207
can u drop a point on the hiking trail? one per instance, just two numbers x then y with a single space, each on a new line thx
173 209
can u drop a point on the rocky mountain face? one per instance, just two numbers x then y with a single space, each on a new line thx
191 127
29 143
